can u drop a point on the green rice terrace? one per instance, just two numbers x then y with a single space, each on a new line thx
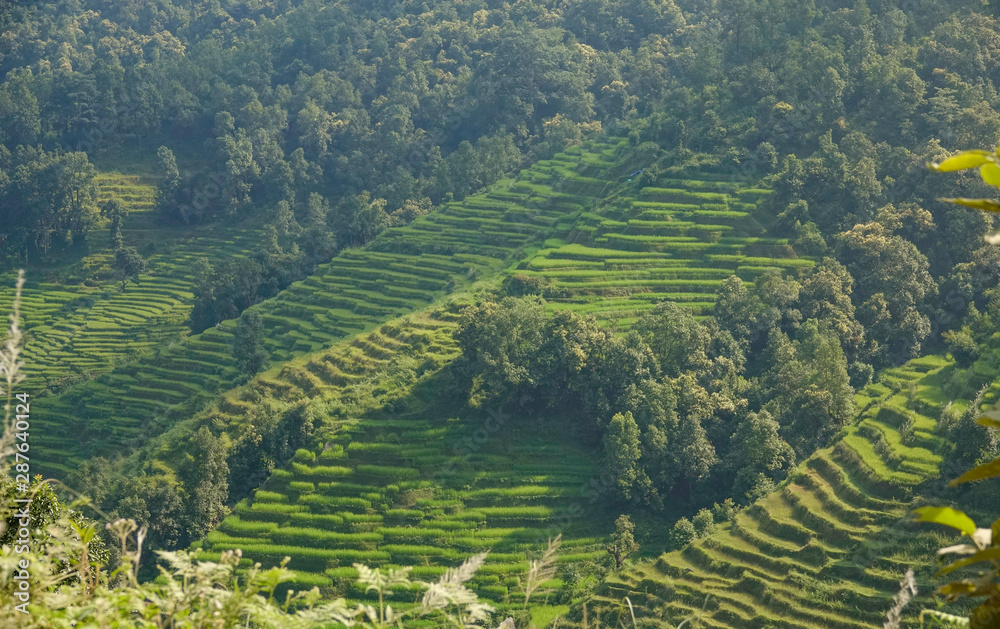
663 244
78 328
403 484
403 270
829 548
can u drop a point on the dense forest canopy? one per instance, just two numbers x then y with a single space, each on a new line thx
280 100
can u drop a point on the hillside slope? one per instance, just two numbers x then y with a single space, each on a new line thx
829 547
413 479
402 271
523 222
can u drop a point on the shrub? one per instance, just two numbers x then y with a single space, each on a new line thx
305 456
704 523
682 534
759 487
962 346
726 511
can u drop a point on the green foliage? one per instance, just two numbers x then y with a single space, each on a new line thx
679 342
622 453
810 389
962 345
682 533
47 510
762 455
703 522
498 341
130 264
206 481
725 511
623 541
49 200
168 184
115 211
248 348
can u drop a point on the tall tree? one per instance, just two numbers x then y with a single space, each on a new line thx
622 454
169 180
892 282
248 348
679 342
758 450
115 211
206 481
623 541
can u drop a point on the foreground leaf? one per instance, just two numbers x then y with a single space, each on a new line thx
979 204
962 161
989 422
990 554
984 471
991 174
948 517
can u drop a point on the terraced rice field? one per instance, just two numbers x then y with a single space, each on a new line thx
399 485
402 271
828 549
137 192
674 243
76 331
407 488
384 492
395 487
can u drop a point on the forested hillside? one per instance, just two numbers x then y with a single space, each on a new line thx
398 283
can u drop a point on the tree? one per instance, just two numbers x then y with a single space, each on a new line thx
242 171
962 345
679 342
622 454
808 387
169 180
704 523
623 542
224 291
248 350
682 533
318 240
44 511
154 502
499 343
759 449
115 211
749 315
892 281
206 481
316 128
129 263
360 218
826 296
46 199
